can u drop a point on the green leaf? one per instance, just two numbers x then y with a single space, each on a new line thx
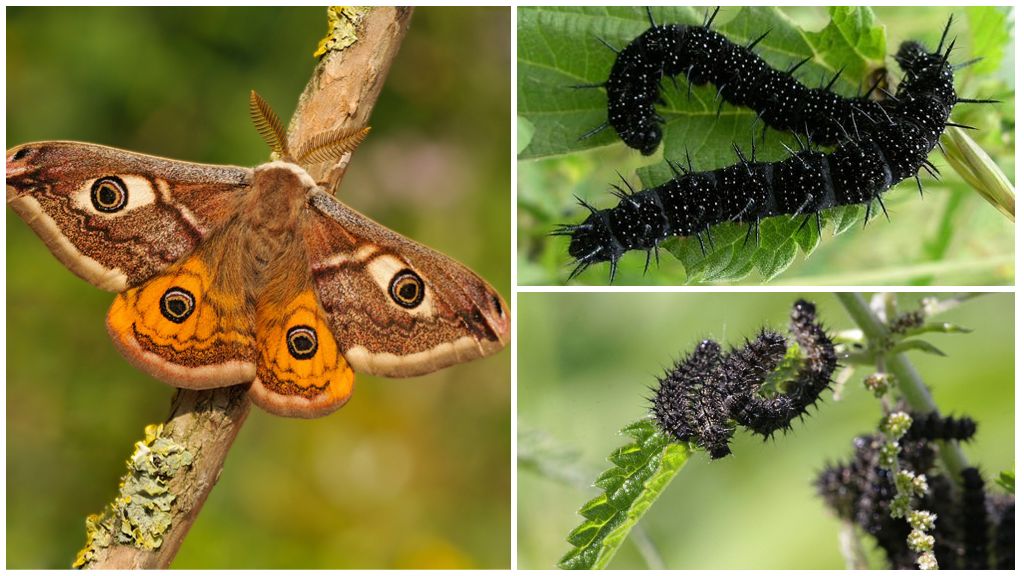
641 470
1007 479
989 36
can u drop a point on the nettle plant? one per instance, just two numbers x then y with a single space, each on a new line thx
907 485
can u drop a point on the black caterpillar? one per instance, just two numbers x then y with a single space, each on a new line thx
743 79
878 144
975 520
932 426
704 394
862 490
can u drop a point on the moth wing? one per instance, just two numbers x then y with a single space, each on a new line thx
395 307
117 218
179 328
300 370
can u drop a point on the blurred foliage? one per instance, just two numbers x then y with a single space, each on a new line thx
586 369
411 473
951 237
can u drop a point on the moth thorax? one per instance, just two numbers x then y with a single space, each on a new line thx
279 191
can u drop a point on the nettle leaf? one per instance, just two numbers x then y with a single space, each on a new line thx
639 474
560 47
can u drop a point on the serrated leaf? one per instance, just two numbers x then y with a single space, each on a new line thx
641 471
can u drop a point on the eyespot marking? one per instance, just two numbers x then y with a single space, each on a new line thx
177 304
302 342
109 195
407 289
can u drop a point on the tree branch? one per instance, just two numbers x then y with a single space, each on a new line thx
173 470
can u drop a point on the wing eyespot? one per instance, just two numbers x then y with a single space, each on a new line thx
407 289
302 342
177 304
109 195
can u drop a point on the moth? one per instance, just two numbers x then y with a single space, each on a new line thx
228 275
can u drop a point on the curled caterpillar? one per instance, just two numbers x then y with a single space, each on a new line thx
881 145
742 77
701 398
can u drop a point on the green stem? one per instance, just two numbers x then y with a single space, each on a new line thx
907 379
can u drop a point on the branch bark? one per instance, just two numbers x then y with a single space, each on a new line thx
172 471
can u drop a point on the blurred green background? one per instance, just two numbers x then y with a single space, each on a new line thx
411 473
950 237
584 373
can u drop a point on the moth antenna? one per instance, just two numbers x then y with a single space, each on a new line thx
605 42
331 145
758 39
797 65
834 78
268 124
593 131
650 16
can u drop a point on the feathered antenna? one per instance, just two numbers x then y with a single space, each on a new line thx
268 124
331 145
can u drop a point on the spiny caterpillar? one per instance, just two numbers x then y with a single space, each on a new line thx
706 395
876 144
862 490
743 78
932 426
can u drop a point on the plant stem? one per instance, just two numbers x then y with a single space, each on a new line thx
907 378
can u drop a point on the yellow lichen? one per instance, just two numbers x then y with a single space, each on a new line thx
342 28
141 513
